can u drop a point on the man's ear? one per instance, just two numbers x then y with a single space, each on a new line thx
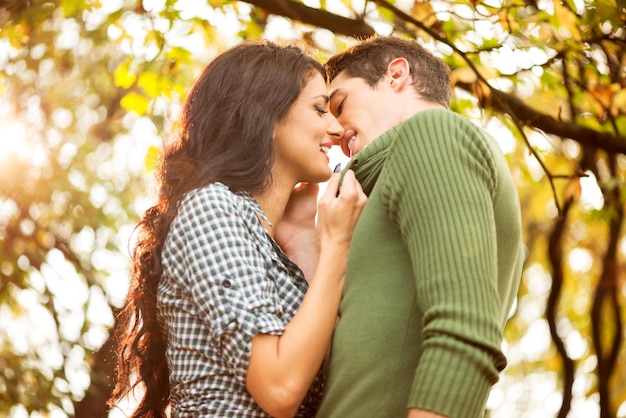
399 72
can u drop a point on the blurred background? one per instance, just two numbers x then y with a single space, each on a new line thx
89 90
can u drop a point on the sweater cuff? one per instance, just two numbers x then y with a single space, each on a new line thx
453 384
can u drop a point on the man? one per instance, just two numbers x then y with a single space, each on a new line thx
436 256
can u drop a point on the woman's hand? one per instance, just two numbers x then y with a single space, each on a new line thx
339 209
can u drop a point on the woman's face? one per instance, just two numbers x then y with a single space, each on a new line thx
303 138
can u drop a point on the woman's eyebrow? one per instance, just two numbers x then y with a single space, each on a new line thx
323 96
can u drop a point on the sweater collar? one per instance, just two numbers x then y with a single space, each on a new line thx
368 163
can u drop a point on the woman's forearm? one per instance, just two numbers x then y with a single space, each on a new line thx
283 367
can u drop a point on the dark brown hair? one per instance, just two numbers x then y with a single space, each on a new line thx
370 58
225 134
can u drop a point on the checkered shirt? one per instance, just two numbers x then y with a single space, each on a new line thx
224 281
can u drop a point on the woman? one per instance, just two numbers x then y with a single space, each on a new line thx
219 321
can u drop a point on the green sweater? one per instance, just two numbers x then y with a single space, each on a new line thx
433 269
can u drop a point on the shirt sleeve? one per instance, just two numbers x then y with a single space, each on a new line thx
439 190
227 274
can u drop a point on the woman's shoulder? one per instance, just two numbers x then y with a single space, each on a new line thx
217 200
207 204
215 195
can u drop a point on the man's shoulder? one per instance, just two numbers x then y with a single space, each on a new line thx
436 140
428 117
439 128
427 128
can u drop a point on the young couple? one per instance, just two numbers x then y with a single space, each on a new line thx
237 290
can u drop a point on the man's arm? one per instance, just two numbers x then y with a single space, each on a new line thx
438 191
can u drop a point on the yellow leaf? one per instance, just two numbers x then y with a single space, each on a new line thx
566 19
152 158
123 77
603 94
178 54
547 33
135 102
150 83
423 12
70 7
619 101
179 89
216 4
574 189
463 74
507 21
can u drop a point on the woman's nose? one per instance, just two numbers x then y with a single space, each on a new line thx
335 130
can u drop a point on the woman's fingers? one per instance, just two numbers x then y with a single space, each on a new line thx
350 187
338 214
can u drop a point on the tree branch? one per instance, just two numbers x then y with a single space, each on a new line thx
356 28
500 101
607 338
555 253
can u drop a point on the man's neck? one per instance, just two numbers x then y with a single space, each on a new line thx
416 105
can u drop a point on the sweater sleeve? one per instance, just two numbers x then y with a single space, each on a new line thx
440 180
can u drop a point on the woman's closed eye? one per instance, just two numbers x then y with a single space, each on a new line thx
320 109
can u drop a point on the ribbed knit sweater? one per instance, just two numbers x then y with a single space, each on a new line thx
433 269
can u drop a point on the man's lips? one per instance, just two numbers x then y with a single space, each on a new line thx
345 142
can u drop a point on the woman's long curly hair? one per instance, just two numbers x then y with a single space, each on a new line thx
225 134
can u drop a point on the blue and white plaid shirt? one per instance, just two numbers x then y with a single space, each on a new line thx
224 281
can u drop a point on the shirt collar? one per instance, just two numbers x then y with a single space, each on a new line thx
368 163
255 206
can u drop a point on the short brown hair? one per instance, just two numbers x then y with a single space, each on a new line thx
369 60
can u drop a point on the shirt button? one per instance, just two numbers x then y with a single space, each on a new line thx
226 284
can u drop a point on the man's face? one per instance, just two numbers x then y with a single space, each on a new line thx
365 112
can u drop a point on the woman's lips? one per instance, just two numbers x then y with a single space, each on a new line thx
325 147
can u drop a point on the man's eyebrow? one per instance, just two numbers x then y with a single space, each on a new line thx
333 92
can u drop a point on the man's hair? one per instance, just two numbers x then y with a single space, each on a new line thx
370 57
